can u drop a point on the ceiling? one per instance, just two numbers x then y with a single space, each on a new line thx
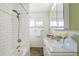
39 7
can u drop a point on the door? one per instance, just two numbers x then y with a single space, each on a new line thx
36 33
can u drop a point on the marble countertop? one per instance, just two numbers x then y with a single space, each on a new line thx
53 45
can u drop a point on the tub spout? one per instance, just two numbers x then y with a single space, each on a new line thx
18 46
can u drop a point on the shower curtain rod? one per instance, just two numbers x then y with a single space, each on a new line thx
24 9
11 9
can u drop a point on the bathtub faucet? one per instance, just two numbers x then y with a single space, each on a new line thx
18 46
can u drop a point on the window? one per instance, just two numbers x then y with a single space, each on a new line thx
36 23
32 24
61 23
58 24
53 23
39 23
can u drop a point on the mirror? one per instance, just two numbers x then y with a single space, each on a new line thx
56 17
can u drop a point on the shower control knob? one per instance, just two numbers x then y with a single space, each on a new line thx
19 40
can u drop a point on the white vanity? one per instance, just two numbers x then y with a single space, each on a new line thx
57 48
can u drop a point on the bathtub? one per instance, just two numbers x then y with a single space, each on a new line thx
22 52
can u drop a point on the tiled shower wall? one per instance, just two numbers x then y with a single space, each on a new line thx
9 27
5 29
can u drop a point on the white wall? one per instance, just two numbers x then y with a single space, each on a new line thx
9 27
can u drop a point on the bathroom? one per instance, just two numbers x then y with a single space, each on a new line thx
31 29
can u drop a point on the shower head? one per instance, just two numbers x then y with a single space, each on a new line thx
16 12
